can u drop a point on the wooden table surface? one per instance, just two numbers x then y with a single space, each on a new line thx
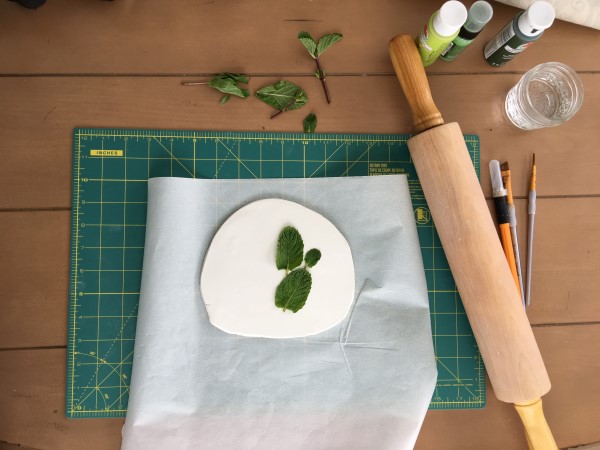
120 64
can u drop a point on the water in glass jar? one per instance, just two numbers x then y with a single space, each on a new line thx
547 95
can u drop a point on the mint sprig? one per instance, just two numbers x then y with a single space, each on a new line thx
317 49
293 290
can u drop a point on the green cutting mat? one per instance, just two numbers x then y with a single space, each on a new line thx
110 173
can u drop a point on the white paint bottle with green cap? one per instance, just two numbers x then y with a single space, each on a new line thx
526 28
442 28
480 14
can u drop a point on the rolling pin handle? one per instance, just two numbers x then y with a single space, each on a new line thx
411 73
537 431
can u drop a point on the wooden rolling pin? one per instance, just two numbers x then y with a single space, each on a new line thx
464 224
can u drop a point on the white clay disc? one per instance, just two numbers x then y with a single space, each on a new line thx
239 276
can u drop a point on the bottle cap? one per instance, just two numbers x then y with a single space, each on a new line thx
449 18
480 13
538 17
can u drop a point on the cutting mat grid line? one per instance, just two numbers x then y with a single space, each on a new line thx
110 172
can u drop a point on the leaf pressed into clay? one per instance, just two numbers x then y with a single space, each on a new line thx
312 257
293 290
290 249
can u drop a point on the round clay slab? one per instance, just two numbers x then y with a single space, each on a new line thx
239 276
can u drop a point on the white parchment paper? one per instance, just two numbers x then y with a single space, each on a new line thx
366 383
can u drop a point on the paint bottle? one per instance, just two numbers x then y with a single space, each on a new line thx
442 28
480 14
526 28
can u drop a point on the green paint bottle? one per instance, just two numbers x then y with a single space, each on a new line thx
442 28
480 14
526 28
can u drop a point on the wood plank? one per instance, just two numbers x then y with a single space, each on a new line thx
38 116
255 36
566 260
32 396
7 446
34 280
595 446
32 405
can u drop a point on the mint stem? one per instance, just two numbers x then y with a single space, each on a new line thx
277 113
323 81
284 109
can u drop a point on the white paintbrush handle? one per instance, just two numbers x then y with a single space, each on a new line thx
530 227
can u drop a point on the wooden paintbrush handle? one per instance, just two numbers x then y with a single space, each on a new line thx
411 73
539 436
506 239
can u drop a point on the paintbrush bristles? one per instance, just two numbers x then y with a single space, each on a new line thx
533 175
506 180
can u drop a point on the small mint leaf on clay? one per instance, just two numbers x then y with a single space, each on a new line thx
312 257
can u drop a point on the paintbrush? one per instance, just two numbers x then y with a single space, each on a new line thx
502 216
530 227
512 221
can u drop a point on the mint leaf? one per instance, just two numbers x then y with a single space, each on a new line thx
310 123
227 83
228 86
293 290
307 40
312 257
290 249
237 77
327 41
283 96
